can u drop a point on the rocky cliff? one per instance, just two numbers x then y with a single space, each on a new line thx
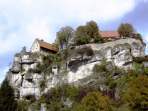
26 79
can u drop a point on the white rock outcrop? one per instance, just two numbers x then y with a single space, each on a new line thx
80 64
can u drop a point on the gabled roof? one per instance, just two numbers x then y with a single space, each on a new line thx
109 34
47 46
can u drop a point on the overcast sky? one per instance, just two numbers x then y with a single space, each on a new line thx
21 21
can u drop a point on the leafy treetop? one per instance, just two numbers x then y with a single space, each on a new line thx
125 30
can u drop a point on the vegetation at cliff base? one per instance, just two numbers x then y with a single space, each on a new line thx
123 91
94 101
136 95
7 98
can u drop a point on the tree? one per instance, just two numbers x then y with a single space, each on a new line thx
88 33
7 99
93 32
81 36
125 30
136 94
64 36
64 40
94 101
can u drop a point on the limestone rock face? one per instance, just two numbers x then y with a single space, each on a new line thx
16 68
30 85
122 55
80 64
24 81
82 72
119 52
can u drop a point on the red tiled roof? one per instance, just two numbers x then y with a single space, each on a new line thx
46 45
109 34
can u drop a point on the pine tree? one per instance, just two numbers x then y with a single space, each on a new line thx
7 99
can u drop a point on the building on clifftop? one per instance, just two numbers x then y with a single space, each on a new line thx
110 35
114 35
43 47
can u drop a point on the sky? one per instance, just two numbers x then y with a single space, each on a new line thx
21 21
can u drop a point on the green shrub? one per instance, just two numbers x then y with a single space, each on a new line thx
56 96
138 68
102 67
23 105
146 71
55 106
136 94
94 101
30 97
43 85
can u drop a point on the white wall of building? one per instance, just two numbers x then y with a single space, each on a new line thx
35 47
